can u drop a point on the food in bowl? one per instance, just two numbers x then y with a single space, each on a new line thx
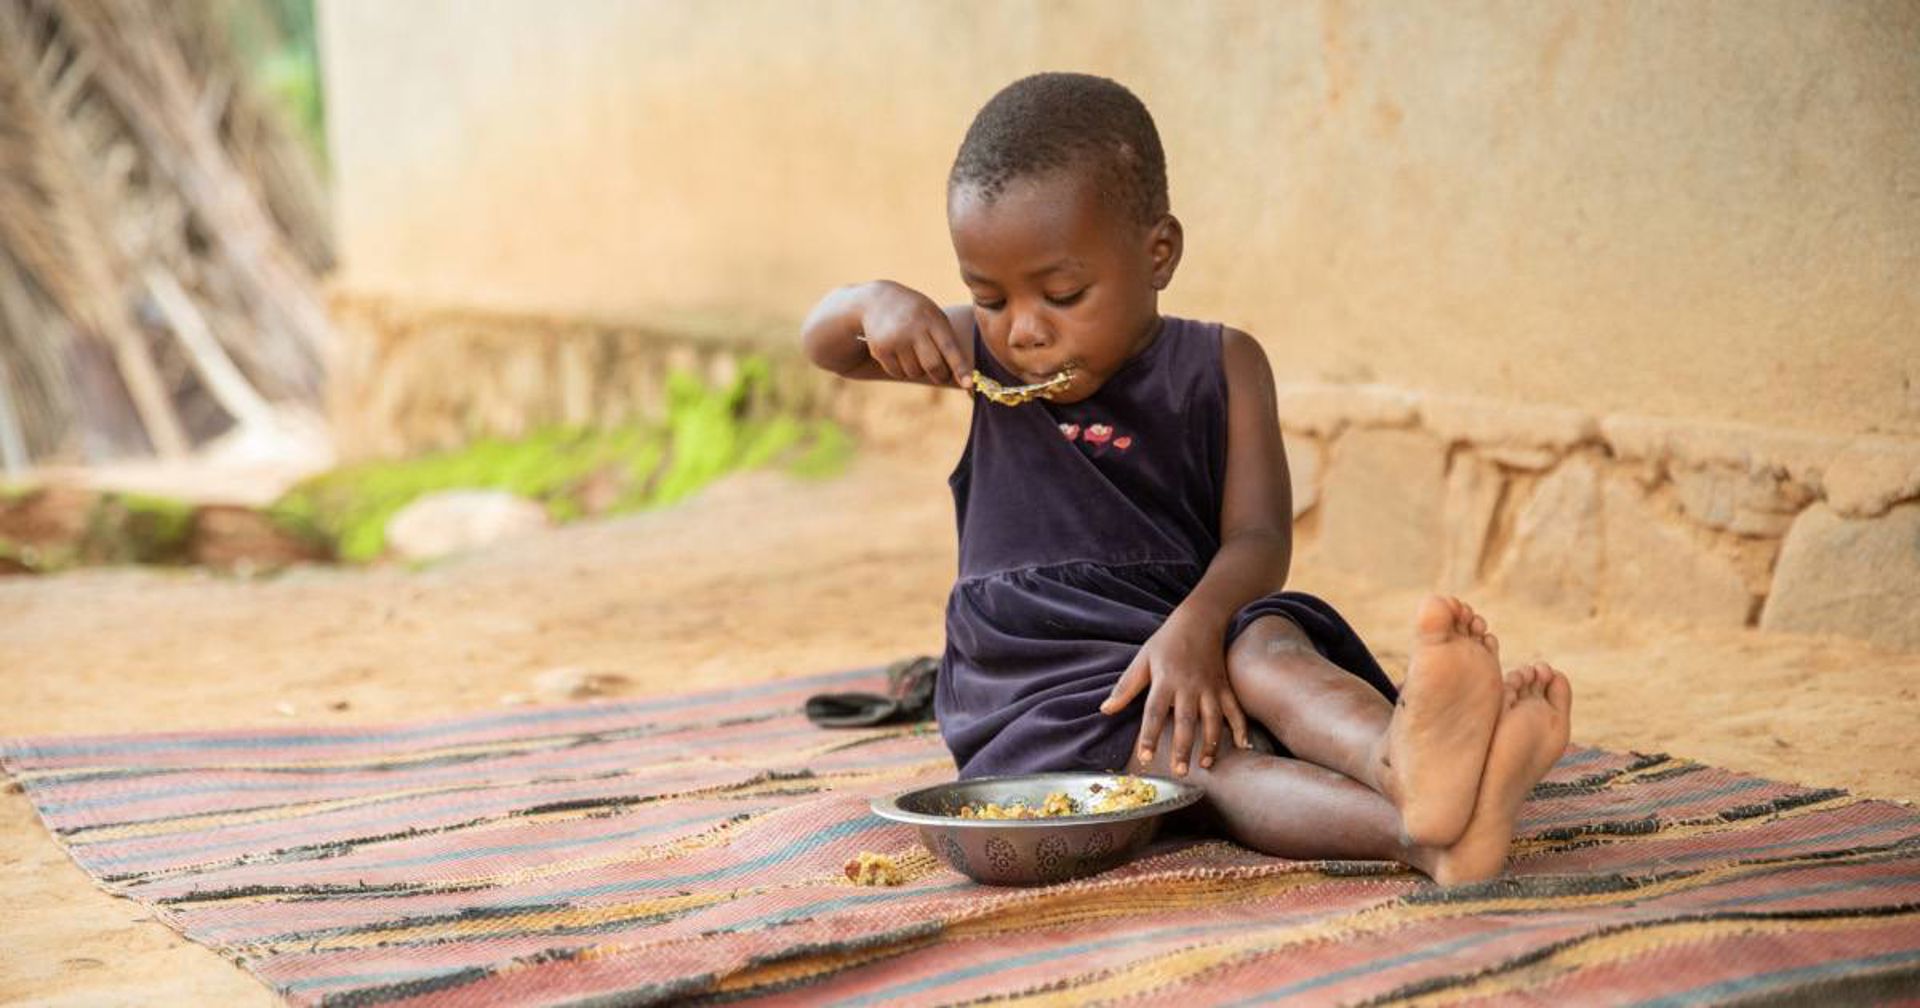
1056 804
1124 793
1042 849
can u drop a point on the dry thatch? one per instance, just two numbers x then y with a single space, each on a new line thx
160 235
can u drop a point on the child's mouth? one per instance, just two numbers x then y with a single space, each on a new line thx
1016 394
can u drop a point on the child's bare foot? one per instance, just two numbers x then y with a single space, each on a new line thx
1529 739
1433 751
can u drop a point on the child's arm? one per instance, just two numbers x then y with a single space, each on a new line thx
883 330
1183 666
1256 512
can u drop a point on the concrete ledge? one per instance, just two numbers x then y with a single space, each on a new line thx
1649 516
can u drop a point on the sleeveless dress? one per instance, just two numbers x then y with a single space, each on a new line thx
1081 527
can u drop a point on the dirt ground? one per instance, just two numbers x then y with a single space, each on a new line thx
760 577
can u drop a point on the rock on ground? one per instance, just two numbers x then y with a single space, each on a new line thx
1858 577
455 521
1554 558
1656 570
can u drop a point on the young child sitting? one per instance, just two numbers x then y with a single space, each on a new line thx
1125 535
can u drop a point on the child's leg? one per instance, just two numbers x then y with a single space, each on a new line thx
1535 718
1295 809
1425 755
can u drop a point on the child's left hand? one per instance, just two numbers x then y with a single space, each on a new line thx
1183 668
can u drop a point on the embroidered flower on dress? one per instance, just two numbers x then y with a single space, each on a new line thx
1122 443
1099 433
1070 430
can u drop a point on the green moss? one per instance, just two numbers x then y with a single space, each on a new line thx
39 559
828 450
703 434
708 432
167 523
127 528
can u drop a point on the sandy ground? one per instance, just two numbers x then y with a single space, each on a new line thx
760 577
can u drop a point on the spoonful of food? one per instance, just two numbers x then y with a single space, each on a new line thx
1014 395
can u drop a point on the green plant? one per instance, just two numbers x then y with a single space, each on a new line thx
708 432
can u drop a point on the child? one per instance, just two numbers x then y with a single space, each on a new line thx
1126 539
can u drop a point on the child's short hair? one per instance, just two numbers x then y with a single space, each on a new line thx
1053 121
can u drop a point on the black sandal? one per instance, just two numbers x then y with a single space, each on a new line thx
909 697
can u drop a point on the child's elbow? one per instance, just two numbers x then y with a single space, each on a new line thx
808 349
820 352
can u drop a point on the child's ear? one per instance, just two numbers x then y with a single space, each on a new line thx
1164 244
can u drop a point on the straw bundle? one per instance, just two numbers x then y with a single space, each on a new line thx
160 236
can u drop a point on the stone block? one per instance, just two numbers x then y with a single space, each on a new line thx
1799 455
1306 458
1477 421
1855 577
1872 474
1554 557
1637 437
1755 502
1466 519
1382 517
1655 569
454 521
1523 459
1327 409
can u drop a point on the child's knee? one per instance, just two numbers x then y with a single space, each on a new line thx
1270 636
1267 643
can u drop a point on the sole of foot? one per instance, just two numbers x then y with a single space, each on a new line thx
1536 719
1435 748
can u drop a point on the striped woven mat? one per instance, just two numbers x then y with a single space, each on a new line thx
690 849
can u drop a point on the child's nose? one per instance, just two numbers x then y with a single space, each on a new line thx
1029 333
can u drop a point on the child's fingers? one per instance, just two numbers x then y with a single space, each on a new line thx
909 362
1236 718
1152 721
950 350
932 364
1184 717
1131 681
1209 729
888 360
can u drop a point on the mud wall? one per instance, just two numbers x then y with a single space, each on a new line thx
1704 210
1606 305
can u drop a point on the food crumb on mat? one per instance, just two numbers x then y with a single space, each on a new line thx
870 869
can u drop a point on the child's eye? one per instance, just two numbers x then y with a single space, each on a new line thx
1064 300
989 305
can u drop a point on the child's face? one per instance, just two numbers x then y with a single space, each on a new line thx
1061 277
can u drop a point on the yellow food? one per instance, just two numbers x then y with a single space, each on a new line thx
1017 394
870 869
1125 793
1057 804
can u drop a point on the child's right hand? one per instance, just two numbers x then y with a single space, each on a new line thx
910 338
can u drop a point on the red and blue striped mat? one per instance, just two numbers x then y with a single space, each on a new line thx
690 849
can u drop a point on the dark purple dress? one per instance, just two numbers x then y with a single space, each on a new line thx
1081 527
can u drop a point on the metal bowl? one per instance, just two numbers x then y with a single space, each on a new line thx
1032 851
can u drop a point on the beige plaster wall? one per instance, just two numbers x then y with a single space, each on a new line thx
1700 210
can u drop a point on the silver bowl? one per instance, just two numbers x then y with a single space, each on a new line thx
1032 851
